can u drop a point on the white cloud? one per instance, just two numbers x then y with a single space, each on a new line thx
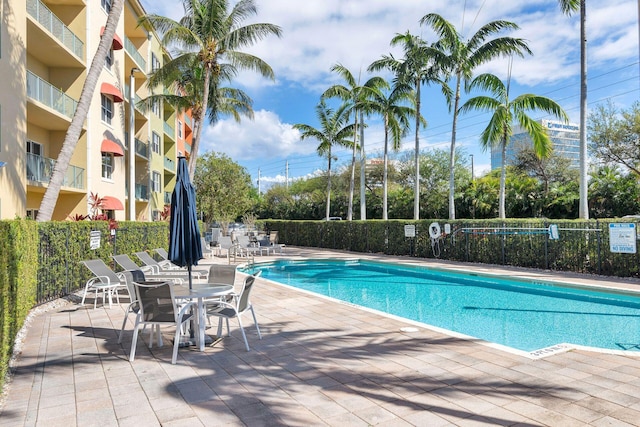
265 137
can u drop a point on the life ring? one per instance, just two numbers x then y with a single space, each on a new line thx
434 230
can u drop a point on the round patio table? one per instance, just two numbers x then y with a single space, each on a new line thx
200 292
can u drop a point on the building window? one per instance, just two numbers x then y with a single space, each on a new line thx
107 165
109 60
155 107
32 213
155 62
107 108
34 148
155 142
106 5
179 129
156 184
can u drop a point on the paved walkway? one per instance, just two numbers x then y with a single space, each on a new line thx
319 364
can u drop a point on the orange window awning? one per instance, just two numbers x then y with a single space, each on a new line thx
110 203
109 146
117 41
109 89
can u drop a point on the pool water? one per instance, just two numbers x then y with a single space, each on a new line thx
523 315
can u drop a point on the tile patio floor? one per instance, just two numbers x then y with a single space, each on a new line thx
319 364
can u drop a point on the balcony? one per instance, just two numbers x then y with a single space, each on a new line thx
142 148
51 23
169 131
132 50
169 164
136 98
39 169
167 197
49 95
142 192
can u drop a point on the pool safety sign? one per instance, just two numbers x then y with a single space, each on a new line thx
622 238
409 230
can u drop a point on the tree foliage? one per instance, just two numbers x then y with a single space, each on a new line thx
223 188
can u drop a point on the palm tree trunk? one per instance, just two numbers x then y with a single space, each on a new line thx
584 197
363 176
503 181
384 168
193 157
352 181
416 189
50 198
328 209
452 154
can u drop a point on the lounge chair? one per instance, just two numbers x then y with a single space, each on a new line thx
162 267
235 308
151 273
105 281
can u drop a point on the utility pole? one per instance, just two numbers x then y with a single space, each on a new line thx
286 174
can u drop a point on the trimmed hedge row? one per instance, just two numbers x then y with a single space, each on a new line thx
582 247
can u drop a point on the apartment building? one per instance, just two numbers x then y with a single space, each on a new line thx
46 49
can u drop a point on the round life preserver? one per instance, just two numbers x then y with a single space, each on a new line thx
434 230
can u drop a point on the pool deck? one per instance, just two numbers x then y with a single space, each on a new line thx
319 363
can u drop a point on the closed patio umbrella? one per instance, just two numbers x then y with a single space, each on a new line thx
185 247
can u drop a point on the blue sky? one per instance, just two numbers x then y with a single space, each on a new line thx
320 33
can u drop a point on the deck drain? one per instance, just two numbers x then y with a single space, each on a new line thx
409 329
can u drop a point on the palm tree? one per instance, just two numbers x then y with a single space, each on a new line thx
332 131
395 115
568 7
462 58
420 65
354 95
50 197
504 112
210 34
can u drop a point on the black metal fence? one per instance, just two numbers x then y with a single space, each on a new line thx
575 246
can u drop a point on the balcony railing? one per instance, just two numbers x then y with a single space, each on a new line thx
167 197
169 130
51 96
142 148
133 51
55 26
39 169
187 121
142 192
169 164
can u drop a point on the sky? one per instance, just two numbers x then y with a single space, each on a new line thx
317 34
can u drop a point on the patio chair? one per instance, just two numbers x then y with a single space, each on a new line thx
130 277
225 274
125 261
224 244
163 253
105 281
150 273
164 267
235 308
247 248
158 307
206 249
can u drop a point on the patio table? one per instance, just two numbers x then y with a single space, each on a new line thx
200 292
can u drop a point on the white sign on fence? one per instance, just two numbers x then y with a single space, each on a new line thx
94 239
409 231
622 238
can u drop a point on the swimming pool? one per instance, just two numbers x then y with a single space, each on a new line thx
528 316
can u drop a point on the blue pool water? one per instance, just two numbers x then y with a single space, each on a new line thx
523 315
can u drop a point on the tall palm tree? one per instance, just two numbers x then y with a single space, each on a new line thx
504 112
418 66
210 33
354 95
568 7
50 197
462 58
392 106
333 131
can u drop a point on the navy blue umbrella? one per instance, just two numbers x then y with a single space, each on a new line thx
185 245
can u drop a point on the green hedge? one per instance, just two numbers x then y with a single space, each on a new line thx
18 258
583 246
